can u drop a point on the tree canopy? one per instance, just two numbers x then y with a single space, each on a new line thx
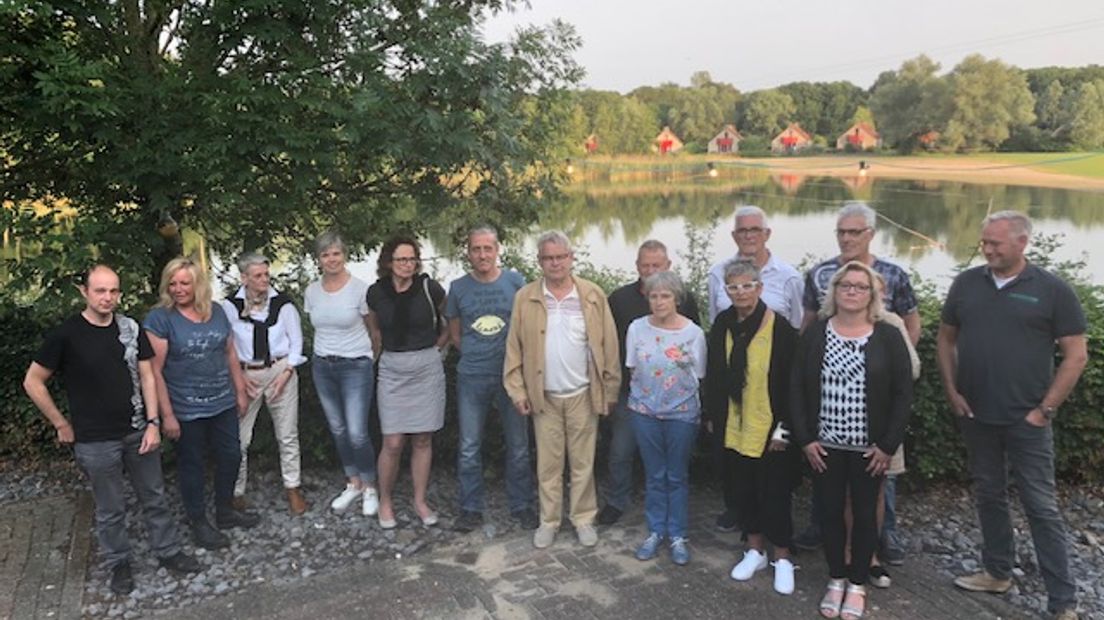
261 123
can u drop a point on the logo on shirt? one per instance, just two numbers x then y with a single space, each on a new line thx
488 325
1028 298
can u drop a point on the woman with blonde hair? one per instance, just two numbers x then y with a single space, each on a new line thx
201 393
851 396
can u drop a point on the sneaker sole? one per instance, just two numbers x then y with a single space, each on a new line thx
970 588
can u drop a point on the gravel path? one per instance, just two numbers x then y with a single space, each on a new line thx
939 523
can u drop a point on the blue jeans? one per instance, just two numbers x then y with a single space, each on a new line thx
344 386
475 394
1029 450
889 524
220 433
105 462
665 447
622 453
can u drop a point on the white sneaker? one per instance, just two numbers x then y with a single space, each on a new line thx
753 561
371 502
783 576
346 499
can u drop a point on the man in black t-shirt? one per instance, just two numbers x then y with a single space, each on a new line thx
114 422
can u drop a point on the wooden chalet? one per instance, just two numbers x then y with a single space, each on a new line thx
728 141
928 140
791 140
859 137
667 142
591 144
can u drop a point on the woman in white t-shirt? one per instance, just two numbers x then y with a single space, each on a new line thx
342 369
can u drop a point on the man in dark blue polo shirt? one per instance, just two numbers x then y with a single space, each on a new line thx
996 344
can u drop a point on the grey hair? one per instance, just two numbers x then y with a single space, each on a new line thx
749 211
327 240
860 209
556 237
652 245
1020 222
247 260
665 281
741 267
483 229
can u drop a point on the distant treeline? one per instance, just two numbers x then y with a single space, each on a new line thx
980 105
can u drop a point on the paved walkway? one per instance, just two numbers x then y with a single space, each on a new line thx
507 578
44 546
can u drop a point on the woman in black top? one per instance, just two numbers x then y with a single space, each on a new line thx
852 393
407 335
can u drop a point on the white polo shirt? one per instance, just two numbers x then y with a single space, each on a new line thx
565 344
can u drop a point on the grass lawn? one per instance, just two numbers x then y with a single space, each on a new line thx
1082 164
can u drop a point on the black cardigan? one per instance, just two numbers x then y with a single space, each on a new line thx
888 385
717 372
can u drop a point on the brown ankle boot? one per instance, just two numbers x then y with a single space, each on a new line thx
297 505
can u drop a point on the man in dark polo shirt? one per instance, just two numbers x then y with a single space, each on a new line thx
628 303
996 344
113 421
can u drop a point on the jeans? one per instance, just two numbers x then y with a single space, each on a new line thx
344 387
1029 450
622 453
665 447
889 524
104 462
846 472
220 433
475 394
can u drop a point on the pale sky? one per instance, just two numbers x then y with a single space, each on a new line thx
765 43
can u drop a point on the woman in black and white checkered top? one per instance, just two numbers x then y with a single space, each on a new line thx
851 402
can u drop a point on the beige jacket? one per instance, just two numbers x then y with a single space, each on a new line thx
523 371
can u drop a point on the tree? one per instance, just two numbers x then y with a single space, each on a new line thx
1048 105
911 102
990 99
622 124
261 123
766 112
862 115
1083 115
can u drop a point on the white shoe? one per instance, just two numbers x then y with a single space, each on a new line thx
346 499
783 576
371 502
753 561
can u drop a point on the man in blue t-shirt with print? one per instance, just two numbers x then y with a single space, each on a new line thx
478 310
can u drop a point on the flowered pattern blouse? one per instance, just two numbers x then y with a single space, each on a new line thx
666 366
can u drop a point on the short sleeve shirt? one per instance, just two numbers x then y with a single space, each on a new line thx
666 367
1006 338
899 296
100 369
338 319
483 310
196 371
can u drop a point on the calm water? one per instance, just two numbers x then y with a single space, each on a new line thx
609 221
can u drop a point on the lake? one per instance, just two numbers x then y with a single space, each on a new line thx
928 226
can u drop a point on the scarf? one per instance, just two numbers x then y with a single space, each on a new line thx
742 332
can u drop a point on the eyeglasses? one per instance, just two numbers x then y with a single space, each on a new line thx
743 287
405 260
750 232
851 232
850 287
554 258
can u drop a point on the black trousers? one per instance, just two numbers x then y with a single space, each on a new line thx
846 472
762 489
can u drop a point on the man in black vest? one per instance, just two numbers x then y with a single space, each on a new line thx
268 336
113 422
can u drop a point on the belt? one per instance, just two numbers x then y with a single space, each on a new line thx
260 365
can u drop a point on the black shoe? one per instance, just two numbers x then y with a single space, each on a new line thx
809 540
227 517
181 562
468 521
609 515
727 521
122 581
208 537
527 519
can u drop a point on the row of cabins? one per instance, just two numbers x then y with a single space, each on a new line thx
793 139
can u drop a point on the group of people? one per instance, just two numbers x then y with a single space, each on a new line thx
819 368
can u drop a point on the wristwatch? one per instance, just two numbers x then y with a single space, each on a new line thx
1048 412
153 422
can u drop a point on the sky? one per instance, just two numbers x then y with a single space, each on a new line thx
767 43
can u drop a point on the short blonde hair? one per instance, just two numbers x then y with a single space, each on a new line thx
875 308
201 285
